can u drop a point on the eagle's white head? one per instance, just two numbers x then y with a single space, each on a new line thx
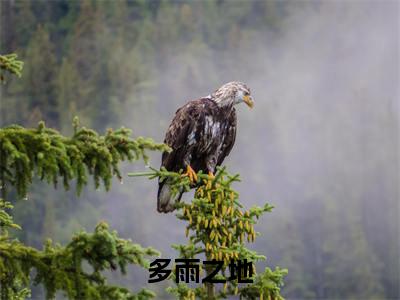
232 93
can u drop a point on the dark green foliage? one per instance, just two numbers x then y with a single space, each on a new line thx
41 150
218 226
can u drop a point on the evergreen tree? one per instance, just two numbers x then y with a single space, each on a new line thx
27 22
89 55
40 79
68 94
48 155
217 226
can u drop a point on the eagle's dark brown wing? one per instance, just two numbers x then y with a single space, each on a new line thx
230 136
178 137
186 120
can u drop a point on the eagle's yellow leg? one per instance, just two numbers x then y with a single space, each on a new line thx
191 174
211 175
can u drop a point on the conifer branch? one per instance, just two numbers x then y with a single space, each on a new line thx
44 151
10 63
6 220
61 268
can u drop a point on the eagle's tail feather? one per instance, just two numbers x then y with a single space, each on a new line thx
165 203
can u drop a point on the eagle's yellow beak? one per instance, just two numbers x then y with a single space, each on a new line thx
248 100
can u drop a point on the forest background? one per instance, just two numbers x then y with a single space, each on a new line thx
321 143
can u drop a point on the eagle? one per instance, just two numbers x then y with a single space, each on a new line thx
201 135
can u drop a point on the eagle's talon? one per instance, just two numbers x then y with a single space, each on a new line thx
191 174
